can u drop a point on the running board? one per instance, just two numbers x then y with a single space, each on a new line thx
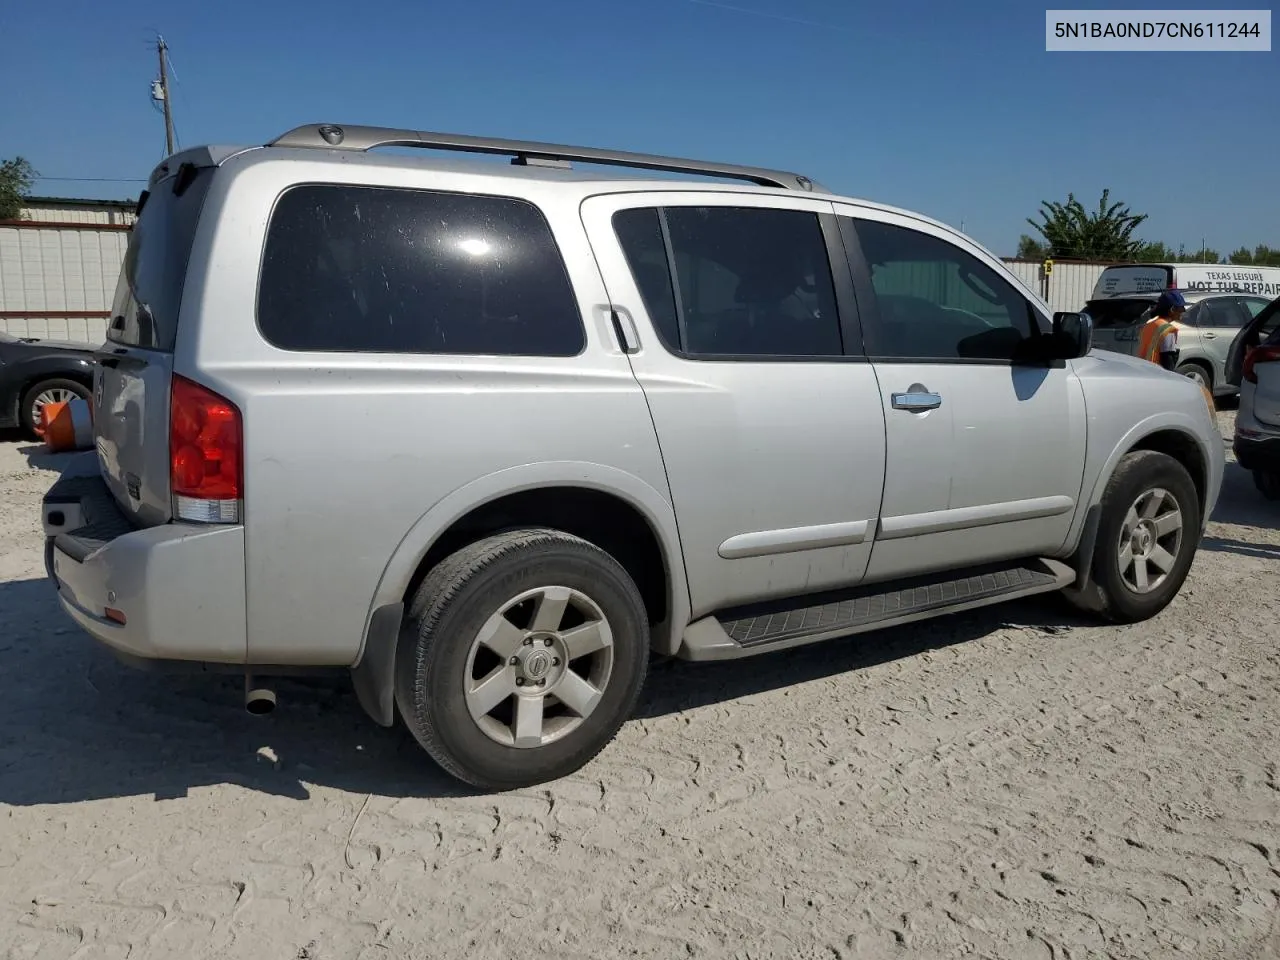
765 627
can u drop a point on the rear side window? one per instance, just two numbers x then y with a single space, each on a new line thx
144 312
382 270
1222 312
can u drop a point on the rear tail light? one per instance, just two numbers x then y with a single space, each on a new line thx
206 444
1258 355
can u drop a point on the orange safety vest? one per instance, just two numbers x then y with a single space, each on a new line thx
1149 337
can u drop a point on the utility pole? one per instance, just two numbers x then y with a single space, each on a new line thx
164 97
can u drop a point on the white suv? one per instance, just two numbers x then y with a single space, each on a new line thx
486 435
1254 364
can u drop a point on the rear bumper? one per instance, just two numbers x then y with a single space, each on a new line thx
1257 453
180 587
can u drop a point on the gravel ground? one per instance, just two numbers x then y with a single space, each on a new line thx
1010 783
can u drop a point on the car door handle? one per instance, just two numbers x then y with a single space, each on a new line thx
1209 336
916 401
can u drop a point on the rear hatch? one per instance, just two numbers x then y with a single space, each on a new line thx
135 365
1265 373
1116 321
1251 335
1135 278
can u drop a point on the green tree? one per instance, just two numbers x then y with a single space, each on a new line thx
1031 249
1260 256
1156 252
1159 252
17 176
1070 231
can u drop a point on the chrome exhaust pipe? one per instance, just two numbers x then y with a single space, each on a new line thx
258 700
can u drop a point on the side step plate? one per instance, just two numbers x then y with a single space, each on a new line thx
788 623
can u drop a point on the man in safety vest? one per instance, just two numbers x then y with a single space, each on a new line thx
1158 338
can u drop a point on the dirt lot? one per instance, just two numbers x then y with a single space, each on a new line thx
1012 783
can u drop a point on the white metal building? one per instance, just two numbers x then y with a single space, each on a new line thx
58 267
70 210
1069 284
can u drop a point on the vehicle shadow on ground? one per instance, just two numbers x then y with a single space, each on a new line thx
1259 551
1241 503
78 725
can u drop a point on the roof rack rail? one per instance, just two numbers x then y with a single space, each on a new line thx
328 136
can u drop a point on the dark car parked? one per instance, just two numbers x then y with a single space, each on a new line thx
35 372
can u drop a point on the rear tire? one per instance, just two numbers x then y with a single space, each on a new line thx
43 391
1268 483
1148 533
524 654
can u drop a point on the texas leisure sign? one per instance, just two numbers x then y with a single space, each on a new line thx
1247 279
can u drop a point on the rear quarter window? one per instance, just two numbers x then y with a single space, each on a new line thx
386 270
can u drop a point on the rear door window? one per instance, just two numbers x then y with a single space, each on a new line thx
1255 305
148 295
382 270
734 282
1222 313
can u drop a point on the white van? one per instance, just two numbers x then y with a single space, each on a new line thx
1208 277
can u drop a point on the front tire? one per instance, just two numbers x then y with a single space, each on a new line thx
524 654
1148 533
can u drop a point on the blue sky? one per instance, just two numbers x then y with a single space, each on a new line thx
951 109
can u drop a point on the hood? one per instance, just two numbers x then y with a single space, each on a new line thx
80 346
1124 363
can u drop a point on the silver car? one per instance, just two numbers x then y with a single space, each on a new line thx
486 435
1205 334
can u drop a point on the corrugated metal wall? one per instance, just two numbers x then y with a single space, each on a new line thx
67 213
58 282
1070 284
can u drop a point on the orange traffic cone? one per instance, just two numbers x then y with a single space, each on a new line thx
67 425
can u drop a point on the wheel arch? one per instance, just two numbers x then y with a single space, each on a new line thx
549 494
38 372
1173 433
1205 365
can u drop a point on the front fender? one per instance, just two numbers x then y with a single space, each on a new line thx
440 516
1105 454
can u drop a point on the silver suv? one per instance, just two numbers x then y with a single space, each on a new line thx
488 435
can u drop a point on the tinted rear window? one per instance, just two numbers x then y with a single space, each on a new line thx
149 291
1117 313
376 269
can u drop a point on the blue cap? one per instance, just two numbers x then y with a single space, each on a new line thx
1169 300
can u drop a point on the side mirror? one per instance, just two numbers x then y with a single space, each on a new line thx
1072 334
